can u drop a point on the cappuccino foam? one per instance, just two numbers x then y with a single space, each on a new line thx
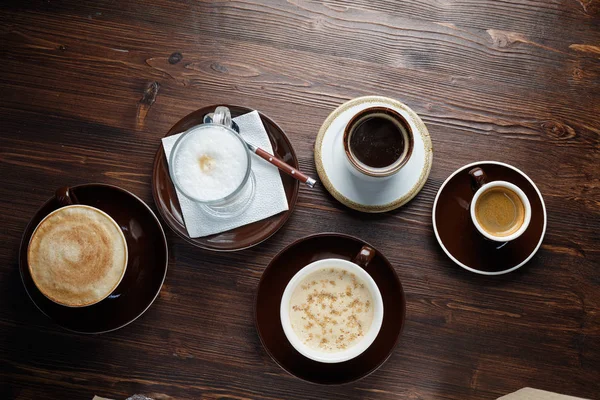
331 310
77 256
210 163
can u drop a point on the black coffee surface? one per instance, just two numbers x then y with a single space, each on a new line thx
377 142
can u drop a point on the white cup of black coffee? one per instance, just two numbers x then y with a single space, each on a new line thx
378 142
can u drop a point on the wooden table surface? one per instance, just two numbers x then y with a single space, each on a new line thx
88 88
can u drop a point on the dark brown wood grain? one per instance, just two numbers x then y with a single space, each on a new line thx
87 89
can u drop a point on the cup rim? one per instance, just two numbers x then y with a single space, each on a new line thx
524 200
396 165
182 189
122 235
359 347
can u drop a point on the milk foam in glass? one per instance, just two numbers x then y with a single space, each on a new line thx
211 165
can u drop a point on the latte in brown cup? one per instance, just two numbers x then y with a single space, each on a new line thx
77 256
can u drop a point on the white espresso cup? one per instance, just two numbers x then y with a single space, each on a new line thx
482 186
363 258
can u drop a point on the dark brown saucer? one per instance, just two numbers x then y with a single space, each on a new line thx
459 238
270 290
245 236
146 268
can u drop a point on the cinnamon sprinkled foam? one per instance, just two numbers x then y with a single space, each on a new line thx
331 310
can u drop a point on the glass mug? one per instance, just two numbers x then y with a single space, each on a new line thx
356 267
211 165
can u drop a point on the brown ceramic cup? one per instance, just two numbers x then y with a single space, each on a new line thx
280 271
378 142
68 203
148 261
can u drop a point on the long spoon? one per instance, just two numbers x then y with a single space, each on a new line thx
282 165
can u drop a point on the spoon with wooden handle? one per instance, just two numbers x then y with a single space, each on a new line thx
282 165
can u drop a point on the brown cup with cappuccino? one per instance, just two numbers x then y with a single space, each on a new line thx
500 210
77 255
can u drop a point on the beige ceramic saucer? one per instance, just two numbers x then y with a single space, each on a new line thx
366 196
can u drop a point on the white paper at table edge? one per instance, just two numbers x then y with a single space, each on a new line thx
528 393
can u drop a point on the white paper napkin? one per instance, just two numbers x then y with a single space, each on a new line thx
269 198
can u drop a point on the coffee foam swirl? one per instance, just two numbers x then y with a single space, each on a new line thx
77 256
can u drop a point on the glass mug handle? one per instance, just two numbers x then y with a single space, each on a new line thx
221 116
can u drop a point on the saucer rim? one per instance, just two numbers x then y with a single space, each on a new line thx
399 202
471 269
164 238
193 241
393 348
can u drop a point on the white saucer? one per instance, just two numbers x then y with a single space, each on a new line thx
333 166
